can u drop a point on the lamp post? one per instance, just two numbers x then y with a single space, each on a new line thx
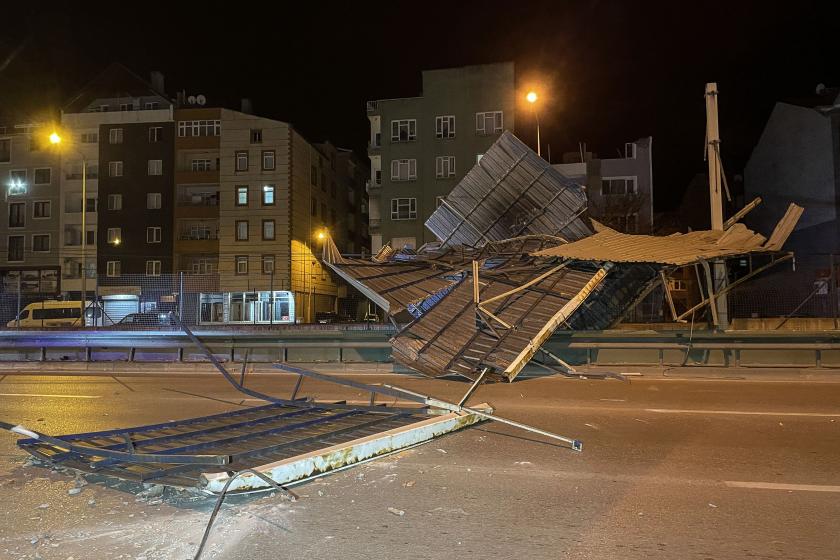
56 140
531 97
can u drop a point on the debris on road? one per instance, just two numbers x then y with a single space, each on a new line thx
396 511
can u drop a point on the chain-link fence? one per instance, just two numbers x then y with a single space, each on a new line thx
137 301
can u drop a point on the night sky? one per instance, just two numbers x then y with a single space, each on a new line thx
613 71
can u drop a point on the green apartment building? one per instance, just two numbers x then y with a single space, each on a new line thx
420 147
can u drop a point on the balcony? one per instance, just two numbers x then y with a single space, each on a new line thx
372 106
210 176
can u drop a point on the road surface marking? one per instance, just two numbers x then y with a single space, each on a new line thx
50 396
742 412
778 486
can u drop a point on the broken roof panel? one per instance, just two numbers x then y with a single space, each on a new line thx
510 192
608 245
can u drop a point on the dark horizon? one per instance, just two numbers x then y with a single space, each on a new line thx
613 72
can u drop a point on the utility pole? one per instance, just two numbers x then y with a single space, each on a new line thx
715 197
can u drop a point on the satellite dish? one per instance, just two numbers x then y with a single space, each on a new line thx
200 99
191 99
820 89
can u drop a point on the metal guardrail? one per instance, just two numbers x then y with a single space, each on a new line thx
816 349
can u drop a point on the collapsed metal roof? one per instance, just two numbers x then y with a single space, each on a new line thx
517 259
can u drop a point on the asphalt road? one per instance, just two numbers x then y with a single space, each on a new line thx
689 469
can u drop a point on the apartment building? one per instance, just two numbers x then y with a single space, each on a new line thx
29 230
620 189
420 147
114 99
135 212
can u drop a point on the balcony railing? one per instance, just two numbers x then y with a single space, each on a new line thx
198 200
372 106
198 235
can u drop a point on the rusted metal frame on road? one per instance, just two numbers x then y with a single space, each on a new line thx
482 199
560 317
433 402
737 282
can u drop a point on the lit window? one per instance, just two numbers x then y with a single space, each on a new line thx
268 195
114 235
242 195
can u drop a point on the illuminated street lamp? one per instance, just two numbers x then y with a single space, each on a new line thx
531 97
56 140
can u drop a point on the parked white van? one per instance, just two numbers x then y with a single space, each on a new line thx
55 313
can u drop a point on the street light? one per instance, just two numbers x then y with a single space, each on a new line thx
531 97
56 140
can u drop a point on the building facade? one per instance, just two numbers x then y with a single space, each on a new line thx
620 190
29 230
420 147
135 205
797 159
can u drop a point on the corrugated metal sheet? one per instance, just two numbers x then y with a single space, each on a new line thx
510 192
608 245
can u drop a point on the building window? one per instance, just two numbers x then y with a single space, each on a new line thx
114 235
314 207
41 209
200 165
404 130
115 136
152 268
242 195
268 264
155 134
114 202
42 176
242 230
445 126
630 150
677 285
41 243
90 236
444 167
256 136
242 161
268 195
377 177
242 264
115 169
151 105
618 185
5 150
268 160
126 106
403 169
268 230
113 268
17 214
199 128
155 167
626 224
153 200
153 234
17 177
490 122
15 251
89 137
90 204
403 208
313 176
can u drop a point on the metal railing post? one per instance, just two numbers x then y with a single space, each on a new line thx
17 317
181 295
